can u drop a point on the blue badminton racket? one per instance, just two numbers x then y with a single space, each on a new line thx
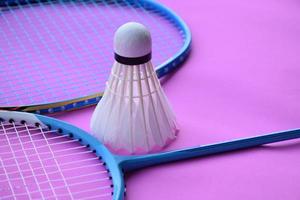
45 158
56 55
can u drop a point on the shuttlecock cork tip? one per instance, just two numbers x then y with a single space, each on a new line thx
132 44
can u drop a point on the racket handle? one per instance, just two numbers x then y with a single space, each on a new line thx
137 162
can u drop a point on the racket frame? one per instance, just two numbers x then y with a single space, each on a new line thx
163 69
117 165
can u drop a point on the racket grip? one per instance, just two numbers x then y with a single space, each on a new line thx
142 161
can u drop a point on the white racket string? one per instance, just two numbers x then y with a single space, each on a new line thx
23 130
16 161
56 163
37 164
63 35
91 190
65 170
70 45
59 63
65 155
41 39
59 187
24 150
58 87
115 2
91 197
73 177
41 162
84 175
87 22
72 88
51 197
8 180
50 166
96 196
54 87
8 61
48 145
27 159
71 30
96 47
44 80
52 138
10 64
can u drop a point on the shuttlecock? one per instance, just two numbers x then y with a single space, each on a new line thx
133 115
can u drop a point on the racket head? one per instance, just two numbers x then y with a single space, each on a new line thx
93 173
57 55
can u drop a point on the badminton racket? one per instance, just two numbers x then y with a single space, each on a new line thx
44 158
56 55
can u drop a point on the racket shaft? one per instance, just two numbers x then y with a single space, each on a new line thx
137 162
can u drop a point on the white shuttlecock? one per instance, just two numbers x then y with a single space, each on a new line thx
133 115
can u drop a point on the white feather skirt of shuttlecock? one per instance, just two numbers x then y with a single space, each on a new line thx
134 115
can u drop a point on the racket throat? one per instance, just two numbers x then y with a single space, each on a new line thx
136 162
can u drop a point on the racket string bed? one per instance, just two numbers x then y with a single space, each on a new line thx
70 30
41 163
62 34
53 40
24 87
15 161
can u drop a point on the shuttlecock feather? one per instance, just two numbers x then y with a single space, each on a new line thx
133 115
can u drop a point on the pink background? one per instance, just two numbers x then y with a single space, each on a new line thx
242 79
